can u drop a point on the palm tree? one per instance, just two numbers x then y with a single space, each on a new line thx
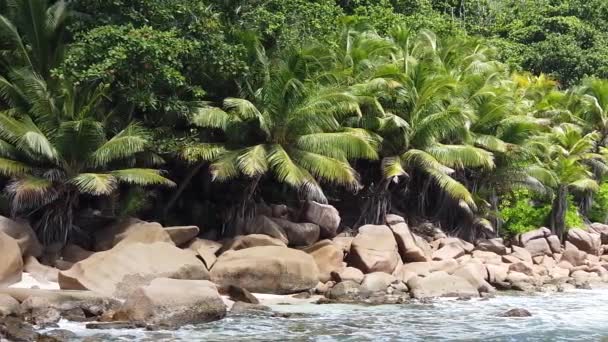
288 127
55 150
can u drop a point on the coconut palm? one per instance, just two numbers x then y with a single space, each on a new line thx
288 127
55 151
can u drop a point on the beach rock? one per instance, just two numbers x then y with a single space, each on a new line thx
516 313
538 247
328 258
487 257
40 311
496 246
239 294
522 267
266 226
466 246
280 211
497 273
475 273
121 270
554 244
587 242
205 250
175 302
242 308
377 282
128 231
57 335
522 254
23 233
601 229
346 290
16 330
348 273
343 242
573 255
248 241
404 271
520 281
374 249
267 269
41 273
11 261
411 247
73 253
299 234
8 306
325 216
449 251
181 235
117 325
532 235
441 284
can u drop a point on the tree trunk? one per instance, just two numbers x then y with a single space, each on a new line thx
182 186
558 211
377 205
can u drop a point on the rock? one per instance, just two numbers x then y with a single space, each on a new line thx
8 306
411 249
239 294
601 229
11 262
343 242
242 308
40 272
554 243
587 242
497 273
522 267
328 258
325 216
122 269
346 290
323 288
466 246
374 249
130 230
249 241
175 302
538 247
441 284
487 257
475 273
449 251
206 250
58 335
16 330
73 253
299 234
424 268
267 269
510 259
532 235
266 226
520 281
40 311
522 254
516 313
496 246
23 233
377 282
573 256
111 325
348 273
181 235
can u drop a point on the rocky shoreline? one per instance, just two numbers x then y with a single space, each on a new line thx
138 274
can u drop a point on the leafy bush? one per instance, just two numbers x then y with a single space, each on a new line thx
599 210
521 212
573 218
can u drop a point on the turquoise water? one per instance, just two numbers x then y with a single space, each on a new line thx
580 315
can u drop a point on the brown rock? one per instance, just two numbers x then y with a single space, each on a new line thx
206 250
522 254
466 246
573 255
40 272
522 267
15 329
11 262
325 216
266 226
497 273
343 242
534 234
554 244
348 273
408 245
299 234
450 251
175 302
475 273
487 257
585 241
601 229
121 270
425 268
248 241
239 294
328 258
130 230
538 247
267 269
441 284
374 249
496 246
181 235
23 233
377 282
8 306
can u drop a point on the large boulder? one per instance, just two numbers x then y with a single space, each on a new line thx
11 261
205 250
41 273
573 255
267 269
475 273
374 249
325 216
602 229
538 247
585 241
328 258
130 230
522 254
411 247
74 253
343 242
182 234
348 273
266 226
449 251
466 246
441 284
487 257
533 235
377 282
492 245
8 306
121 270
249 241
406 271
175 302
299 234
21 231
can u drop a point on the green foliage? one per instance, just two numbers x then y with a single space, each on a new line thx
573 217
599 210
521 212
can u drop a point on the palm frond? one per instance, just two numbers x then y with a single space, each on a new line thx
125 144
143 177
95 183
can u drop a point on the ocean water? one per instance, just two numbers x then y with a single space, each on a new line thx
579 315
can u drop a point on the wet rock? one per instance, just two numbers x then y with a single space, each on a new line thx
16 330
266 226
440 284
516 313
40 311
121 270
325 216
239 294
346 290
130 230
175 302
182 235
585 241
374 249
11 262
8 306
111 325
299 234
57 335
328 257
242 308
267 269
